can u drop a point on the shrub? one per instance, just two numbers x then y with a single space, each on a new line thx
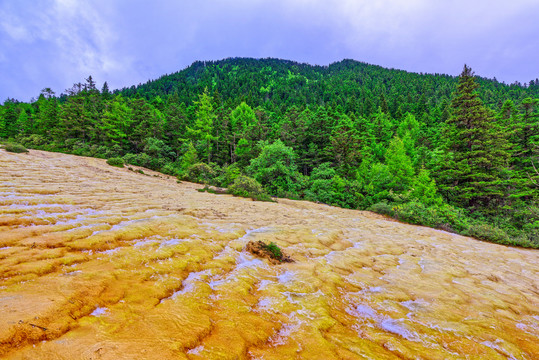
130 158
228 175
170 169
444 217
15 148
34 140
200 173
328 188
276 169
118 162
245 186
382 208
489 233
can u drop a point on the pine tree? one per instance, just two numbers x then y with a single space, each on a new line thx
105 92
345 145
202 129
525 142
23 123
476 150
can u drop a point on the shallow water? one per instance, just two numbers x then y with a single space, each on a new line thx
125 265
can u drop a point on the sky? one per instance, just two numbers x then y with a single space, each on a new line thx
56 43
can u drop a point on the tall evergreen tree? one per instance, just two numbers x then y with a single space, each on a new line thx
105 92
476 150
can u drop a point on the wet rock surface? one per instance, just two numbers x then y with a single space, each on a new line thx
98 262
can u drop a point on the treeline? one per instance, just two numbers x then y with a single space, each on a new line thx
453 153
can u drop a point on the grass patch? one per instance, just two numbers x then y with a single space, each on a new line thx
15 148
274 250
118 162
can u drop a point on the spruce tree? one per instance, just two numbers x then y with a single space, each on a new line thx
476 150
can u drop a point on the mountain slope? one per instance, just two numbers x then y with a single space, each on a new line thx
348 83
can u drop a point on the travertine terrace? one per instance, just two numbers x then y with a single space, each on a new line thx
98 262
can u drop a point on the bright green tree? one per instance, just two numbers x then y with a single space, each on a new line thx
202 129
115 122
424 189
242 118
275 168
399 165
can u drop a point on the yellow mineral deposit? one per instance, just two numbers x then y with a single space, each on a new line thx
101 262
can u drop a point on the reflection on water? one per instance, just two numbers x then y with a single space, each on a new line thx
132 266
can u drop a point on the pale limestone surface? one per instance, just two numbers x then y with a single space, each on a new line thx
98 262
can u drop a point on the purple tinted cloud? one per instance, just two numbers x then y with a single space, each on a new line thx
125 42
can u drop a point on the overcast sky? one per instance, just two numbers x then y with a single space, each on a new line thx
46 43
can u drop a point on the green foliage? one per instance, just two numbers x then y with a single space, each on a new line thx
189 158
327 187
399 165
118 162
275 168
34 141
242 150
382 208
245 186
274 250
375 180
202 129
241 118
445 217
170 169
228 175
144 160
15 148
489 233
424 189
200 173
476 150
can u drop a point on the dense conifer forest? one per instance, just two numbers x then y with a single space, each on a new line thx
456 153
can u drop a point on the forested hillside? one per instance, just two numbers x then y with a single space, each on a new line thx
455 153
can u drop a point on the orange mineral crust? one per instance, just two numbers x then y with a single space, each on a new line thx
98 262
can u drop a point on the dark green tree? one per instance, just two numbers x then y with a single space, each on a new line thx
476 150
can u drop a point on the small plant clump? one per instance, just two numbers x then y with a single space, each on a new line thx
213 190
274 250
15 148
270 251
245 186
200 173
118 162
